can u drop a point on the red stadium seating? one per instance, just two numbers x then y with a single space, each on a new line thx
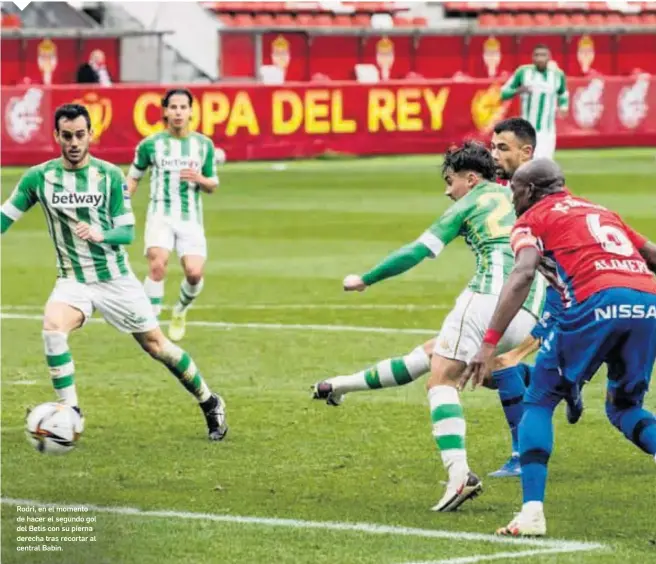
362 20
242 20
524 20
285 20
343 20
419 22
264 20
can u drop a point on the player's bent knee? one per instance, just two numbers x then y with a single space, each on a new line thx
194 276
157 270
444 371
153 342
62 318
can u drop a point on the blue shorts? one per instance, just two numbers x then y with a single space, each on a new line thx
617 327
552 312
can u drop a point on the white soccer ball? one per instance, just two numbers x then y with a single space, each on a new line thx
219 155
53 428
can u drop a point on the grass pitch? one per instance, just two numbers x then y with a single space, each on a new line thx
275 320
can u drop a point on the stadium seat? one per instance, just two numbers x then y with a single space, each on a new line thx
419 22
226 19
614 19
542 20
400 21
488 20
524 20
242 20
304 20
264 20
578 20
596 19
285 20
648 19
631 19
560 20
362 20
505 20
322 20
343 20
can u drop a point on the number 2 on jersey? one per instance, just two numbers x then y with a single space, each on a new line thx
612 239
501 218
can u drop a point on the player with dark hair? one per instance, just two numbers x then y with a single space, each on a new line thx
182 166
483 215
604 273
89 218
543 90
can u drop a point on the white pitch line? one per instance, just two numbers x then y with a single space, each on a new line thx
371 528
264 326
510 555
400 307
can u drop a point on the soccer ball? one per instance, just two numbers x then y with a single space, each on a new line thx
219 155
53 428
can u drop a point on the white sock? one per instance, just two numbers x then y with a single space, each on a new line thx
61 366
533 507
387 373
449 430
188 293
155 292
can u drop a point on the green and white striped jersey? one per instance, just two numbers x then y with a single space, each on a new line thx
548 92
96 194
167 156
485 217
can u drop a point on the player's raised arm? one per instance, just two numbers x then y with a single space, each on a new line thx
22 199
429 244
139 166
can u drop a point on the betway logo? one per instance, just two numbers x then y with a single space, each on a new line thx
625 311
75 200
177 163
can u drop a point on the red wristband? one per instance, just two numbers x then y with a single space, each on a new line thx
492 337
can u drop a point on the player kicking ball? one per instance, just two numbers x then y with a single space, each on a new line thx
89 217
483 215
182 166
603 270
513 143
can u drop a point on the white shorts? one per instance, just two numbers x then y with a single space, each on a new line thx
464 328
546 145
186 237
122 302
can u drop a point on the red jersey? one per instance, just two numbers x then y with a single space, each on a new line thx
585 248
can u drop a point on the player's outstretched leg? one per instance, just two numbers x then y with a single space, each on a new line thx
59 320
449 431
183 367
511 385
387 373
190 288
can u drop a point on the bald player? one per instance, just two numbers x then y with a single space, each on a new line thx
604 272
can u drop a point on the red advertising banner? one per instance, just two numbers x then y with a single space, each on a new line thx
292 121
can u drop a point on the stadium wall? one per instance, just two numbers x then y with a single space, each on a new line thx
301 120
